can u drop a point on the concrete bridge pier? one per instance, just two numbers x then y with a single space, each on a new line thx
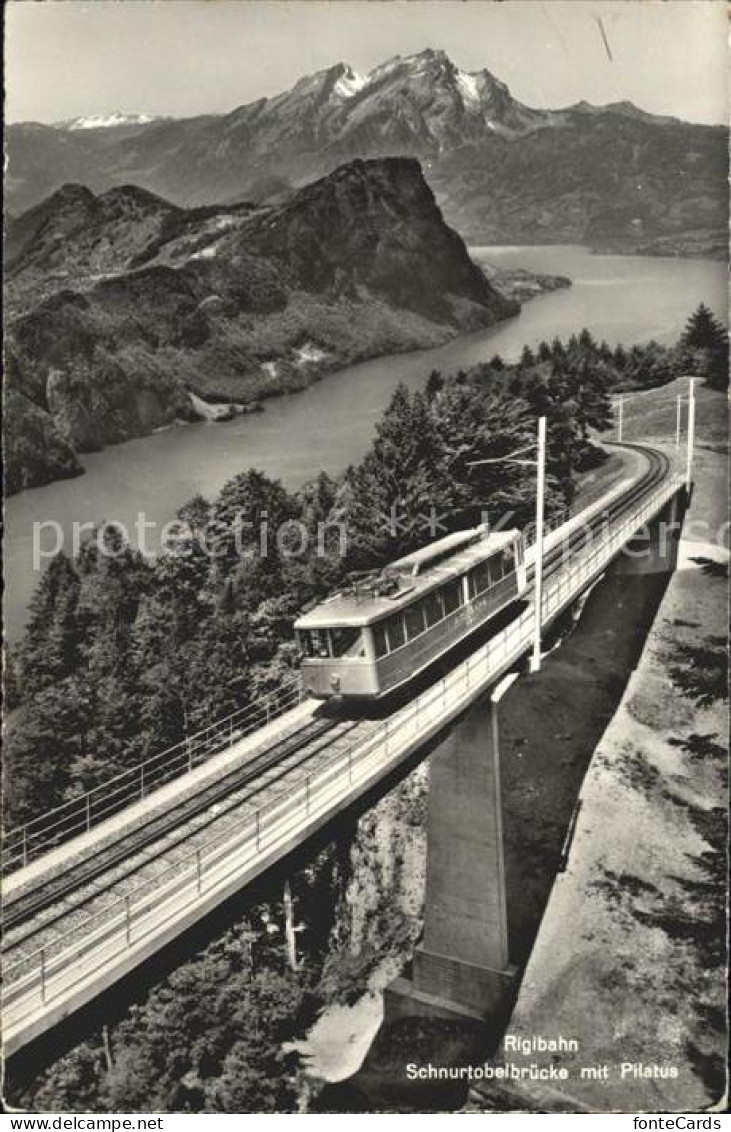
654 549
462 967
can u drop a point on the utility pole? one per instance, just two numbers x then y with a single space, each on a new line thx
678 418
535 663
691 436
621 418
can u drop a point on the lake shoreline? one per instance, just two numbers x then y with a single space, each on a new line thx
517 285
330 424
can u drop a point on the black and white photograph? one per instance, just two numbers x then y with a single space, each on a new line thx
365 561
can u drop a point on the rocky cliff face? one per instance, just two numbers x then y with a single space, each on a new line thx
74 236
502 171
122 305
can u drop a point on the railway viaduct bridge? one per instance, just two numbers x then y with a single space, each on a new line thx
97 886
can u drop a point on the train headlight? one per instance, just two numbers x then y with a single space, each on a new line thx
335 683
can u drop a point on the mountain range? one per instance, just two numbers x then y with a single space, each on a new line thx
503 172
126 313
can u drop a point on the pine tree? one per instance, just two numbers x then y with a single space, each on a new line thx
52 637
702 329
527 358
397 483
620 357
586 342
704 347
41 745
434 383
245 535
195 514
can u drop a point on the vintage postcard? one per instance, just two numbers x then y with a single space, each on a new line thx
366 560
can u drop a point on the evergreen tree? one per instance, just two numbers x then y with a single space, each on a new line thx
586 342
12 690
620 357
434 383
704 347
195 514
51 639
247 520
703 330
397 483
41 744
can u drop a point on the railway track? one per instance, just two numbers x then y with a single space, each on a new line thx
658 466
60 902
161 835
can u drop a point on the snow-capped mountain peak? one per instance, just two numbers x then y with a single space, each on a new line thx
107 121
349 83
468 88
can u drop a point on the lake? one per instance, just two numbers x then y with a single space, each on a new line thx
621 298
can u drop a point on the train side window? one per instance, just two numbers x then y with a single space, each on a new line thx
414 618
347 642
451 596
396 632
433 608
479 579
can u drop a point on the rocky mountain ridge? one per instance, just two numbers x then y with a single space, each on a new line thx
124 309
611 176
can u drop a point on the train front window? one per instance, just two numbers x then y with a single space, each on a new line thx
347 642
509 561
314 643
380 640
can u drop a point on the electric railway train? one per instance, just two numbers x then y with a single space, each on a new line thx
370 639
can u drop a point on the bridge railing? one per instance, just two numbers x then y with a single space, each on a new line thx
51 971
78 815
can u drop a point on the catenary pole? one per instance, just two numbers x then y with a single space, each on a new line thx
621 418
691 435
535 663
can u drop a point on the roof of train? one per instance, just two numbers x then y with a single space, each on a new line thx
351 608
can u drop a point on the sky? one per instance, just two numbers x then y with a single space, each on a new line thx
70 58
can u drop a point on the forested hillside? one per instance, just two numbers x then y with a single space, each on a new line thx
123 656
121 305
